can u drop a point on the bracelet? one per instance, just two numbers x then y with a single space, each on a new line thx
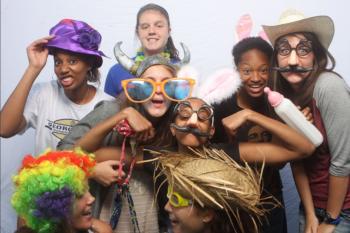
327 218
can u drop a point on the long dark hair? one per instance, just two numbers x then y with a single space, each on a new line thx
170 47
321 64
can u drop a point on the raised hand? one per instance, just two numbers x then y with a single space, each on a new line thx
37 52
142 127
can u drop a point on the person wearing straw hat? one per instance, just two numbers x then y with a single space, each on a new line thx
52 108
303 72
208 192
52 196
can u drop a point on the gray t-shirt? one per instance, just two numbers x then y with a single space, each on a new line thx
332 96
102 111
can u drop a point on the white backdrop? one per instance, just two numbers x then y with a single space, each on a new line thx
206 27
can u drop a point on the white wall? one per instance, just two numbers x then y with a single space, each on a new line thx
207 27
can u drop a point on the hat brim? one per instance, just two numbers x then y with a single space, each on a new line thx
322 26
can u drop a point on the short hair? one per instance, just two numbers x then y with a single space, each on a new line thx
249 44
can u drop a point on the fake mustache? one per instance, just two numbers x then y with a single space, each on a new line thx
194 131
293 69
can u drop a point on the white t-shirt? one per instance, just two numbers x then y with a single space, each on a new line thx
52 113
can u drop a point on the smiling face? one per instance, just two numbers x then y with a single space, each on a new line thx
189 219
71 70
153 31
82 217
293 59
192 112
158 104
254 72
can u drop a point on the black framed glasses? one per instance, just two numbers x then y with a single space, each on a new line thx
185 110
303 48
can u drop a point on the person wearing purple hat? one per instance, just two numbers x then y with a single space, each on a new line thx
52 108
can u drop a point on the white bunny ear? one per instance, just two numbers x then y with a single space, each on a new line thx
219 86
189 71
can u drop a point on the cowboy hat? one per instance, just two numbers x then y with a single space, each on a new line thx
292 21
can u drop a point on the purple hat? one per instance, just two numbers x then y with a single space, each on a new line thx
76 36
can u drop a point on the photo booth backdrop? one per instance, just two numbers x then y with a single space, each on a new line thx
206 27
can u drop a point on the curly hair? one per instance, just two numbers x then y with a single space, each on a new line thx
47 186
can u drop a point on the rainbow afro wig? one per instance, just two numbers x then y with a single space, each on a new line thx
46 187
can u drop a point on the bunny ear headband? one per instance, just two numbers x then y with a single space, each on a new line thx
225 82
216 87
244 28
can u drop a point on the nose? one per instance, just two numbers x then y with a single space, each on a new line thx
151 30
64 68
158 88
193 120
255 76
293 58
167 207
90 199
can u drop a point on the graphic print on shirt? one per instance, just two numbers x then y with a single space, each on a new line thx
60 128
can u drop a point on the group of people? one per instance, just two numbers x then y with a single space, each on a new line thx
163 160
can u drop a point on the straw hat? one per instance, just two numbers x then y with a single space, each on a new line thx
212 179
292 21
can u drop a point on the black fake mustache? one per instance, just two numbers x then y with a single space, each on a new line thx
293 69
193 131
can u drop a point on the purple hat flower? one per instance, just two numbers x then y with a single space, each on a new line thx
76 36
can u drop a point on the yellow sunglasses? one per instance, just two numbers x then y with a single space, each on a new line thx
176 200
140 90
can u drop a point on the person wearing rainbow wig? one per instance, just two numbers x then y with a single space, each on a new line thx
52 194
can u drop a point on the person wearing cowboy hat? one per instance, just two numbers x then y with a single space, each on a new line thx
52 108
303 72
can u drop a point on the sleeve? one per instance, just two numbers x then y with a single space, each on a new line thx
115 75
31 108
102 111
332 96
231 149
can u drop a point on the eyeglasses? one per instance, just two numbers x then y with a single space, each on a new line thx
176 200
185 110
302 49
140 90
247 72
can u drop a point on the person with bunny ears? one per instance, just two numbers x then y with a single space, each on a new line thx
251 58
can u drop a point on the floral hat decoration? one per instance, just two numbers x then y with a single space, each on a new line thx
47 185
76 36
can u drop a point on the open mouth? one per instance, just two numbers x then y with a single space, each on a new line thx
66 81
87 213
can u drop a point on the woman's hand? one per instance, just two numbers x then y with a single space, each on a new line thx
106 172
311 224
37 53
142 127
308 114
99 226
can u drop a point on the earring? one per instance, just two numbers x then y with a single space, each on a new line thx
90 75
